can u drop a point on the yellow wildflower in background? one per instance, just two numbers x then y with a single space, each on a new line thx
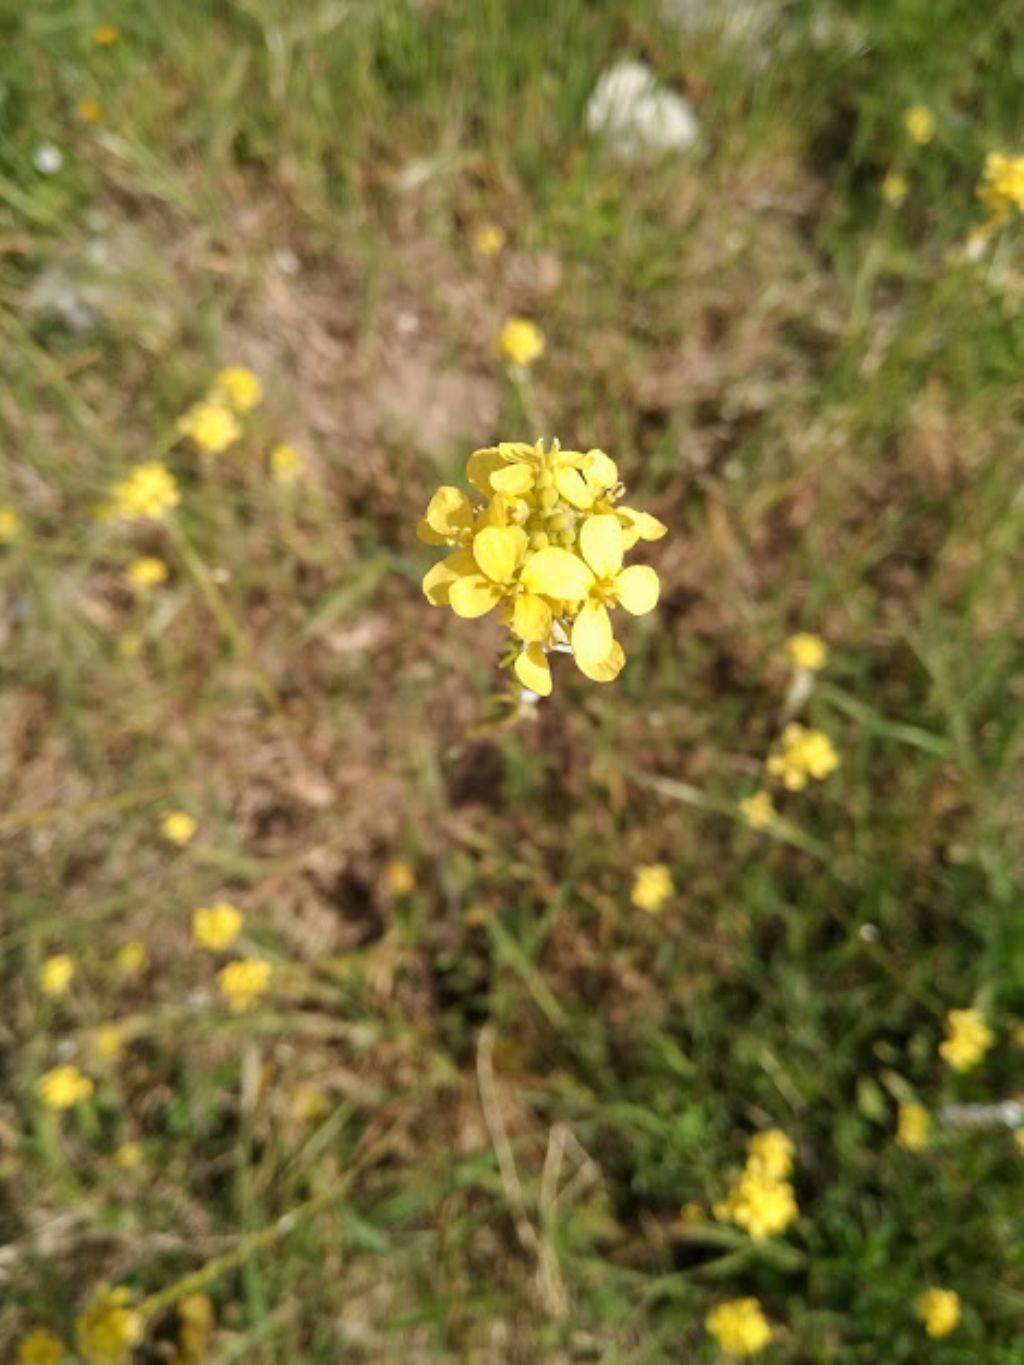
807 651
760 1199
238 388
211 426
1001 189
105 35
107 1042
801 754
967 1040
109 1328
55 975
1018 1139
489 240
652 887
939 1310
131 957
286 463
895 188
217 926
88 110
521 341
919 122
242 983
149 492
63 1087
178 827
692 1213
40 1347
197 1319
400 877
129 1156
771 1153
739 1326
147 572
307 1103
758 810
913 1127
10 523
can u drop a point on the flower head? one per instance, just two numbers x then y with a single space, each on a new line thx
286 463
105 35
129 1156
89 110
652 887
520 341
10 523
63 1087
967 1039
238 388
132 957
147 572
178 827
55 975
211 426
489 240
771 1153
801 754
108 1328
939 1310
913 1126
807 651
197 1321
40 1347
894 188
243 982
149 492
760 1198
758 810
1002 186
739 1326
919 122
217 926
400 877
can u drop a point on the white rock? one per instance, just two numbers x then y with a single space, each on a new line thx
637 114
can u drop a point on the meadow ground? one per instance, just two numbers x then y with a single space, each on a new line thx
482 1106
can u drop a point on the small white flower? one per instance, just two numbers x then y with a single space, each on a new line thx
47 158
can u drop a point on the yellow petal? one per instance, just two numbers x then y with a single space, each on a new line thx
600 471
498 551
516 451
513 479
472 596
608 669
574 487
638 526
531 618
555 572
638 588
480 466
426 533
592 634
601 543
438 581
449 512
534 671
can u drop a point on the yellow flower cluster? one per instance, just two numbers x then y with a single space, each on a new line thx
739 1326
244 982
108 1329
212 424
547 546
178 827
131 957
919 122
939 1310
758 810
761 1200
40 1347
217 926
800 754
10 523
895 188
652 886
286 463
913 1127
807 651
149 492
521 342
1002 185
147 572
55 975
489 240
967 1039
63 1087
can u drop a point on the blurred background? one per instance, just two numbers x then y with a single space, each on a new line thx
347 1015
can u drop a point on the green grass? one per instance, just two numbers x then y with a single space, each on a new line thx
525 1077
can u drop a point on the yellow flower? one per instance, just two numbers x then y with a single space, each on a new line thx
967 1040
521 341
758 810
89 110
238 388
801 754
919 123
10 523
147 572
63 1087
895 188
939 1310
807 651
307 1103
286 463
55 975
40 1347
217 926
149 491
652 887
212 426
759 1203
107 1042
178 827
1018 1138
131 957
692 1213
196 1315
913 1127
108 1329
400 877
1002 185
771 1153
489 239
129 1156
739 1326
242 983
105 35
